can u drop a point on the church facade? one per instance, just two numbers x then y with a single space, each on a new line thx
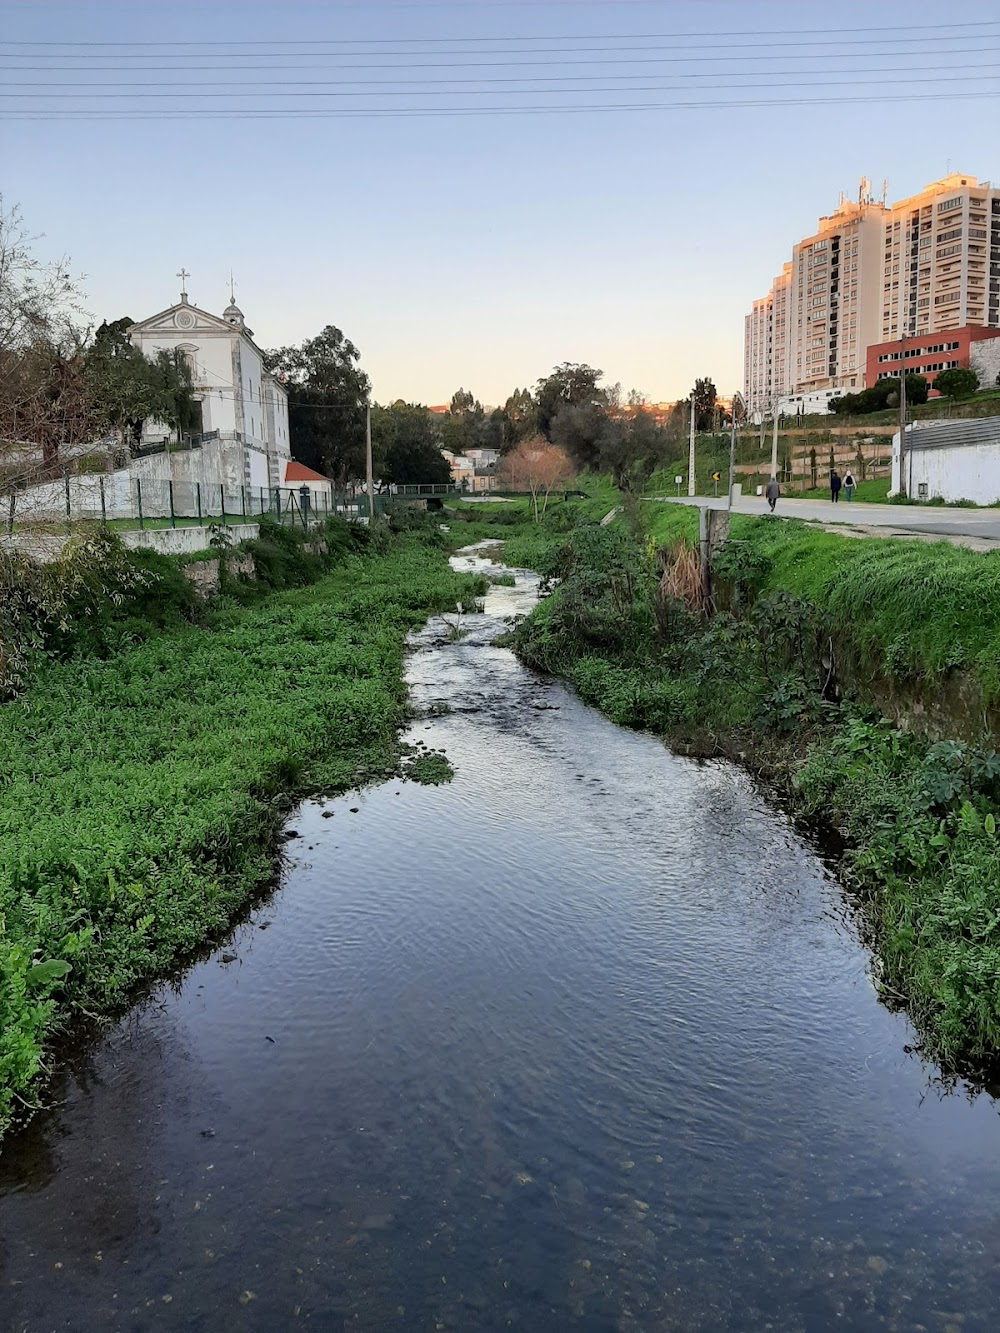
243 435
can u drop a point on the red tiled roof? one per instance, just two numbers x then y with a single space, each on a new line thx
299 472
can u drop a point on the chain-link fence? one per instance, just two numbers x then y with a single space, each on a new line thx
123 501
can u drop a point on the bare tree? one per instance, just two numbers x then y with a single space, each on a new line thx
537 467
42 395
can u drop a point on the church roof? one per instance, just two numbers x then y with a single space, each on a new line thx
191 319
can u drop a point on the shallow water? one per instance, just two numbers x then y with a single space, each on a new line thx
583 1040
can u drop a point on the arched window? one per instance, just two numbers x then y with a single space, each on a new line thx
187 351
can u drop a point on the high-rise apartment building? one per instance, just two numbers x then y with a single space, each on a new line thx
924 265
941 267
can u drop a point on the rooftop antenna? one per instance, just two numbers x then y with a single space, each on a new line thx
232 289
885 192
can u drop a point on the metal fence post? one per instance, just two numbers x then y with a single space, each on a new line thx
69 512
10 515
104 502
170 496
197 492
138 498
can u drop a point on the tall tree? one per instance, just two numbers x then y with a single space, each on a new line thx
521 417
704 403
126 388
327 393
409 439
42 394
571 384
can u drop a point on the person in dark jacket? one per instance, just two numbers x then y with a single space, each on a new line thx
772 491
835 485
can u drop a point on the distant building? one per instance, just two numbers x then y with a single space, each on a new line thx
928 354
243 409
925 265
296 476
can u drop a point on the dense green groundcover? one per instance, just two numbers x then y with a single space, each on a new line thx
919 817
138 789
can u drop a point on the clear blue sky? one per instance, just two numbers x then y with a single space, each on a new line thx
470 249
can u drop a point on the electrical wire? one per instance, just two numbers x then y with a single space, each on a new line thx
150 94
420 112
962 69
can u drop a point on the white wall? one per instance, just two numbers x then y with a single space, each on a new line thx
954 472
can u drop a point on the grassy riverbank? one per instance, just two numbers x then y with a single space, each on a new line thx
766 682
143 790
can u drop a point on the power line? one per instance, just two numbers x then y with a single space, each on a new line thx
149 94
827 47
562 37
520 64
417 112
529 78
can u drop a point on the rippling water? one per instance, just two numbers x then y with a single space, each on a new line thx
583 1040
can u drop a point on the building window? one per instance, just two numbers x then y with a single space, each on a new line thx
948 205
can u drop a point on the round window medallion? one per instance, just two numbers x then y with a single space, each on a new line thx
185 320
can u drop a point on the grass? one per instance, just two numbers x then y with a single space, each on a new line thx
142 791
911 610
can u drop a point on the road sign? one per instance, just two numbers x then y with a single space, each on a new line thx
716 476
678 480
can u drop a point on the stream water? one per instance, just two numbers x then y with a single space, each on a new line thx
584 1040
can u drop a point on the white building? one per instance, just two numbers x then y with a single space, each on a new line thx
244 410
953 460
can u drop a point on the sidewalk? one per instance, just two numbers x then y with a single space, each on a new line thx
877 520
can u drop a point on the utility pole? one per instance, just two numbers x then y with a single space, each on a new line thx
732 451
691 449
774 443
902 409
369 469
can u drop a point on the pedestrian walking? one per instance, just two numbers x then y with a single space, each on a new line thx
772 491
835 484
849 484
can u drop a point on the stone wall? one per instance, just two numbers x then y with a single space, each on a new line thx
205 574
984 359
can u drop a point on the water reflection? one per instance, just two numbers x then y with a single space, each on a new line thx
583 1040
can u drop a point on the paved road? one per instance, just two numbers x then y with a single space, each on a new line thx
905 519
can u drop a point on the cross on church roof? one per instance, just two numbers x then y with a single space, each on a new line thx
183 275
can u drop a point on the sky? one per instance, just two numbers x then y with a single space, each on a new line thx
291 144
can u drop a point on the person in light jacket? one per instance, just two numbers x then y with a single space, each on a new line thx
772 491
849 484
835 484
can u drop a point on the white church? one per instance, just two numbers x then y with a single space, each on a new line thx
242 438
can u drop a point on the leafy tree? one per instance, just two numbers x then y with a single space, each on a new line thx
127 388
409 439
521 414
569 385
582 431
879 396
327 393
463 401
957 382
704 394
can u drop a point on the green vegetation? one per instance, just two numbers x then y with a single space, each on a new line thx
811 627
144 775
880 395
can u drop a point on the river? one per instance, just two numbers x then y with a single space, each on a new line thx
583 1040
